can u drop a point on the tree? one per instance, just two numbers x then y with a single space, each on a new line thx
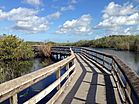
13 48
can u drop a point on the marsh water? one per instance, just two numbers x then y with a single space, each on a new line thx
19 68
129 58
13 69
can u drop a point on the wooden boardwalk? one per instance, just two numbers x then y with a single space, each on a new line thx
91 77
90 85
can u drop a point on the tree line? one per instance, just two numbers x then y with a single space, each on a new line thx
118 42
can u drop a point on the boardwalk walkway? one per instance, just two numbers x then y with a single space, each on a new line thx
90 85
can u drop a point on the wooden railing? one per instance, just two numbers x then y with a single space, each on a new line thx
61 50
127 81
9 90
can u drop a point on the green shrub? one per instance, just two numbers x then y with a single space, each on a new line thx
13 48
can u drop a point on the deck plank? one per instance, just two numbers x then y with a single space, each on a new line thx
90 85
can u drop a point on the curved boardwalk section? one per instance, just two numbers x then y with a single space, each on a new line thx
90 85
90 76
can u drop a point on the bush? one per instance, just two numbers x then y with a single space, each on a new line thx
46 49
13 48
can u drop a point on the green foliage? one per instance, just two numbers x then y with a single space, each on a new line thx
119 42
13 69
12 48
34 43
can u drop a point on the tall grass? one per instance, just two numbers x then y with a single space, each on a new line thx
46 49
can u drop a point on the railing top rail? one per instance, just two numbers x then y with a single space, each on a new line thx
16 85
98 52
131 77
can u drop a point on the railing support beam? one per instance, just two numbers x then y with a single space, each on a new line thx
57 77
13 99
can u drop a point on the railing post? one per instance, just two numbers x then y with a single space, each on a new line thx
13 99
113 71
103 59
57 77
67 68
96 57
129 92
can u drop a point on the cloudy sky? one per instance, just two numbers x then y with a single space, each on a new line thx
68 20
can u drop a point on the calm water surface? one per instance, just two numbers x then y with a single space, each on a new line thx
18 68
13 69
130 58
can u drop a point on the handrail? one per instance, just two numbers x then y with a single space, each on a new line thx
10 88
125 78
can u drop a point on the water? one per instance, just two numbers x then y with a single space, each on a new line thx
129 58
18 68
13 69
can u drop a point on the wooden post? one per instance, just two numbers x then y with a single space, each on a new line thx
67 68
103 60
128 89
96 57
113 66
57 56
57 77
13 99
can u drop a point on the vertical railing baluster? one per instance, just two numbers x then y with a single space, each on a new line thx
67 68
96 57
129 92
103 60
57 77
14 99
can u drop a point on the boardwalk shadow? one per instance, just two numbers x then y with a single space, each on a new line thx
71 94
92 90
110 96
91 96
93 86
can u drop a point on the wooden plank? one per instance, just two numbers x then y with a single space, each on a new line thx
67 68
56 96
128 97
98 65
46 91
130 76
57 77
14 99
15 87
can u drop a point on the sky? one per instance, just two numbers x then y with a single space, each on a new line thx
68 20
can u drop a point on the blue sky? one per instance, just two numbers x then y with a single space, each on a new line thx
68 20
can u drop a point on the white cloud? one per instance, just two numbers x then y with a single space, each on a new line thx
65 8
25 20
55 15
81 25
117 15
127 30
69 6
114 9
33 2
